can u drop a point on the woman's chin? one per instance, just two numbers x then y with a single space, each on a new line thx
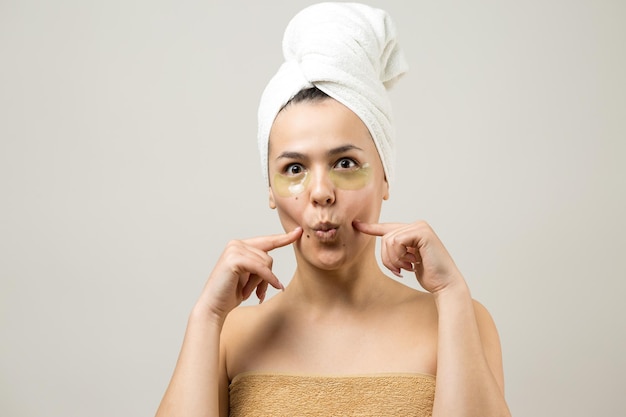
328 258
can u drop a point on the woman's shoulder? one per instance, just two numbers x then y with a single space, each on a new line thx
246 317
409 300
247 324
404 297
251 328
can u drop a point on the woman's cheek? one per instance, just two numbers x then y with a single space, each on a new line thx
290 211
363 207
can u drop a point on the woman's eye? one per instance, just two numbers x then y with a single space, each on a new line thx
294 169
346 163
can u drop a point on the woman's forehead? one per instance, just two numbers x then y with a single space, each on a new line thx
319 124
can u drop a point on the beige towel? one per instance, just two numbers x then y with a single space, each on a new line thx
397 395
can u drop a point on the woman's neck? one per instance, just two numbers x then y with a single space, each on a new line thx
352 286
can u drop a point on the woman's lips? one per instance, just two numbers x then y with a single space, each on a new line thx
325 231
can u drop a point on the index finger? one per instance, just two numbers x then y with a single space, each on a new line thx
268 243
376 229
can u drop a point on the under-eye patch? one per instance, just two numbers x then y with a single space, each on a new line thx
345 179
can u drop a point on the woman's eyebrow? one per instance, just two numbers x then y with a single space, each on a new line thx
343 149
332 152
291 155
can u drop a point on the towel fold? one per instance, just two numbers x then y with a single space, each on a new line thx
350 52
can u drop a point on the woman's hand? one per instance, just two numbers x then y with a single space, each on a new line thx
243 267
415 247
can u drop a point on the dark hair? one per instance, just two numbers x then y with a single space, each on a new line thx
312 94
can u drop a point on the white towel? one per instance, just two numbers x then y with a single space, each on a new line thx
350 52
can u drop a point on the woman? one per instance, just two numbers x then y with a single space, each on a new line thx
342 338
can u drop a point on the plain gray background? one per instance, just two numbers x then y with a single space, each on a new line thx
128 159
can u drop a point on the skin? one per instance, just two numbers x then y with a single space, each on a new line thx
337 285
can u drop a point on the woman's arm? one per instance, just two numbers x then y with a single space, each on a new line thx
470 381
194 388
199 384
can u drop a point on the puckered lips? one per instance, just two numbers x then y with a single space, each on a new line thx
325 231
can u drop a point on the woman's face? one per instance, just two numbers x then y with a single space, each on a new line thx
324 173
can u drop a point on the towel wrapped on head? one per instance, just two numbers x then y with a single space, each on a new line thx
350 52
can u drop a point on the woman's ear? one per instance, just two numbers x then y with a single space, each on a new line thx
386 191
271 196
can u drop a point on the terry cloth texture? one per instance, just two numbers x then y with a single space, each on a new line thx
276 395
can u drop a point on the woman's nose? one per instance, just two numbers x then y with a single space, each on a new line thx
322 189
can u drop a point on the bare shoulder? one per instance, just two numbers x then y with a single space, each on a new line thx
419 306
481 311
411 311
424 302
237 318
243 321
486 324
248 329
419 302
